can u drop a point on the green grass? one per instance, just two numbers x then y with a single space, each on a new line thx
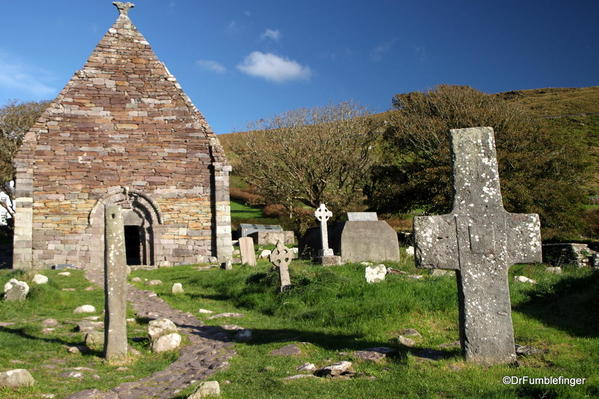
24 345
331 312
241 211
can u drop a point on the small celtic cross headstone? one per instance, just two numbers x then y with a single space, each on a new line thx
115 285
281 257
123 7
322 215
480 240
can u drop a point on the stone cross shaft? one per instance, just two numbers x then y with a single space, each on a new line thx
115 285
480 240
281 257
123 7
322 215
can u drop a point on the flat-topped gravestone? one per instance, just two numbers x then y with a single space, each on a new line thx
246 247
480 240
115 286
281 257
247 229
362 216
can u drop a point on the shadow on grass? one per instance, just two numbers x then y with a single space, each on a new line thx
333 342
571 305
21 333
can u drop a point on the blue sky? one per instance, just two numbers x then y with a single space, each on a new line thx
240 61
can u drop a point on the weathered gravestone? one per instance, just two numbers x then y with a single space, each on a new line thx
246 247
281 258
480 240
115 286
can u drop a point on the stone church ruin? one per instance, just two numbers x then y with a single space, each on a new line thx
122 132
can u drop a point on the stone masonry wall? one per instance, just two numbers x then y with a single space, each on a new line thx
121 124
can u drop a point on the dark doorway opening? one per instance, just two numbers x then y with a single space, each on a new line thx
133 244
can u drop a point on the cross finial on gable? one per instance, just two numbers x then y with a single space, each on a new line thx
123 7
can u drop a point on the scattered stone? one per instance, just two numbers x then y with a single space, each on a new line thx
287 350
166 343
410 332
68 289
64 274
554 270
343 368
428 354
410 251
232 327
527 350
205 311
6 323
15 290
177 288
440 273
47 396
375 274
375 357
206 389
92 318
154 282
89 325
130 320
390 270
415 276
244 335
90 288
265 254
15 361
16 378
299 376
49 323
73 349
227 314
39 279
227 265
524 279
307 367
85 309
72 374
160 327
366 263
136 279
94 339
450 345
47 330
405 341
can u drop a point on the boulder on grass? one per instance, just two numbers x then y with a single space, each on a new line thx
16 378
166 343
206 389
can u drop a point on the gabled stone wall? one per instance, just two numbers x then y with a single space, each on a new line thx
121 130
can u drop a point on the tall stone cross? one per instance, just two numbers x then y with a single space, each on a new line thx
115 285
123 7
480 240
281 257
322 215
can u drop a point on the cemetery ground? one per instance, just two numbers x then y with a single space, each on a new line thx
26 345
329 314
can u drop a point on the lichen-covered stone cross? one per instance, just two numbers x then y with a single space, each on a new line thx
480 240
322 215
281 257
123 7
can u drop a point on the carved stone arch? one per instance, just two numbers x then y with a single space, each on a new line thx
141 216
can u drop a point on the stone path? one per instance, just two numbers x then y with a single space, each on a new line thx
208 351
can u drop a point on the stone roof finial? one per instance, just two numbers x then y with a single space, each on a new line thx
123 7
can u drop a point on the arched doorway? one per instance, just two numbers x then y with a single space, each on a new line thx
142 223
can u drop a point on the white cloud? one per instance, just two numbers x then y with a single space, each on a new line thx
232 27
272 34
212 66
22 78
379 51
247 13
272 67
